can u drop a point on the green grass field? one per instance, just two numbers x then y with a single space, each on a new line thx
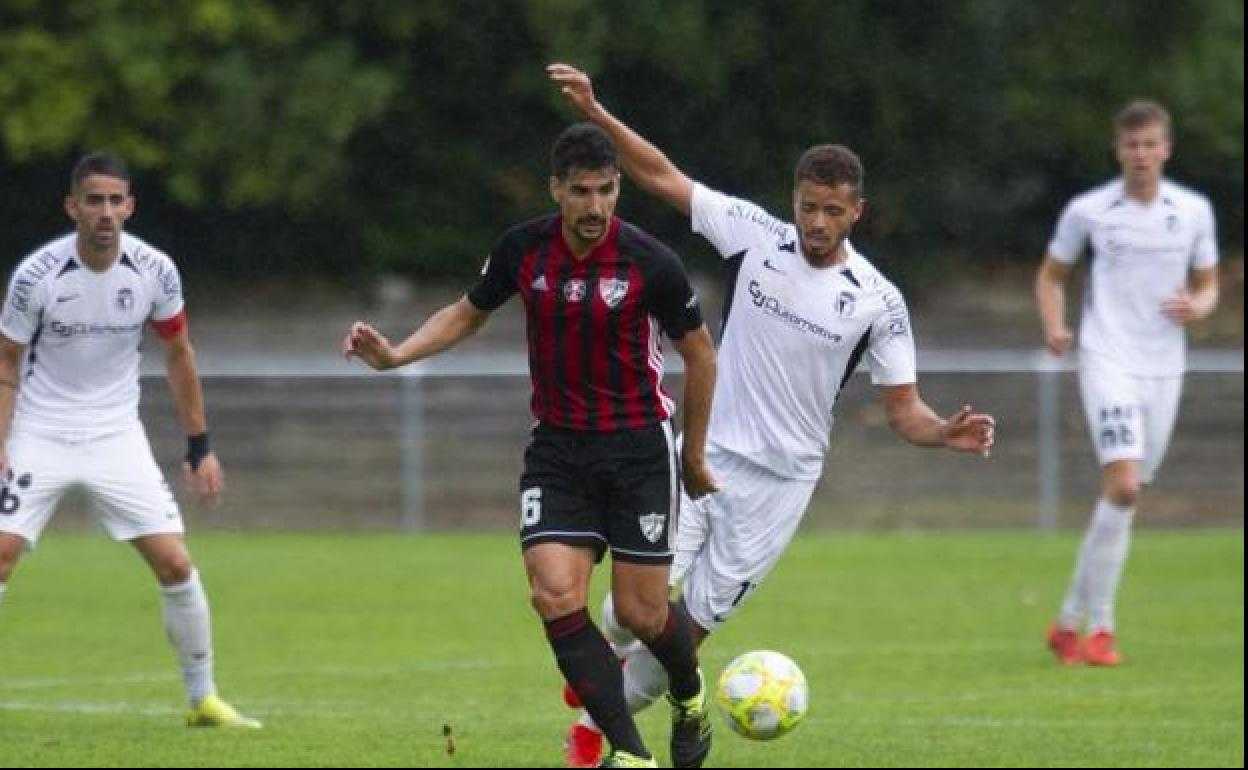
920 649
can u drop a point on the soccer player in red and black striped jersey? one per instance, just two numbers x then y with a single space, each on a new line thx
602 469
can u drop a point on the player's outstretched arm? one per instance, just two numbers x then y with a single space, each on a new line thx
444 329
644 163
912 419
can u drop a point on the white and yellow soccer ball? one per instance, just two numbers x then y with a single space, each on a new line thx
762 695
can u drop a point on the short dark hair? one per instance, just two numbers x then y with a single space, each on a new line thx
100 162
584 146
831 165
1141 113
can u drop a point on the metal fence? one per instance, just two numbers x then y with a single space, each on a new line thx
315 442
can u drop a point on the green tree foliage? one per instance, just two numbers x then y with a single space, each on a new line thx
384 135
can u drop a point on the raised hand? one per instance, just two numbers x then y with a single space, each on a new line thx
575 85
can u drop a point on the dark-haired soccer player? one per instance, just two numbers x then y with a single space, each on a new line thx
602 470
73 319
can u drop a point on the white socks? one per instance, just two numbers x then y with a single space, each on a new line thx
188 623
1094 585
3 587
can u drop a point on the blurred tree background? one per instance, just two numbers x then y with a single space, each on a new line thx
340 141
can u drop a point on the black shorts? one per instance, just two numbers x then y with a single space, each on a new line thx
619 489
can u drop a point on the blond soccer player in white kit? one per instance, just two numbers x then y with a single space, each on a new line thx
1153 269
72 322
803 309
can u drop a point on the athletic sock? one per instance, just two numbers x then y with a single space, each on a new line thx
590 667
674 648
1094 585
1111 537
188 624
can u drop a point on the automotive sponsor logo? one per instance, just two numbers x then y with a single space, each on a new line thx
773 307
82 328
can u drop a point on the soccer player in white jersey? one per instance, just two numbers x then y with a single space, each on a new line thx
803 308
1154 269
72 323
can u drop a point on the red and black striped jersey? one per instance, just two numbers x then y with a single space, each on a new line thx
593 323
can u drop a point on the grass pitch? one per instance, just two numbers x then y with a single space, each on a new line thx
920 650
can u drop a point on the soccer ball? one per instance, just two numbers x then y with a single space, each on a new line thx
762 695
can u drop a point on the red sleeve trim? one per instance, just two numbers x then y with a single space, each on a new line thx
170 327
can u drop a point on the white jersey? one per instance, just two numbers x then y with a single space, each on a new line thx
792 336
1141 254
82 330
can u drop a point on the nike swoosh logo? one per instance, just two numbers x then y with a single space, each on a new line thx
767 264
67 298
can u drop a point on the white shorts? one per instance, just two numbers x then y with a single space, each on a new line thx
128 494
727 543
1129 417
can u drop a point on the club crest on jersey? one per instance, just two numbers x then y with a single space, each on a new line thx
574 290
652 526
125 299
1172 223
612 291
845 305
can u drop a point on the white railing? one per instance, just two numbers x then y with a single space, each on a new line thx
1046 369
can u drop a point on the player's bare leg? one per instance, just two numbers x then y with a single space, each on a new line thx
11 547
